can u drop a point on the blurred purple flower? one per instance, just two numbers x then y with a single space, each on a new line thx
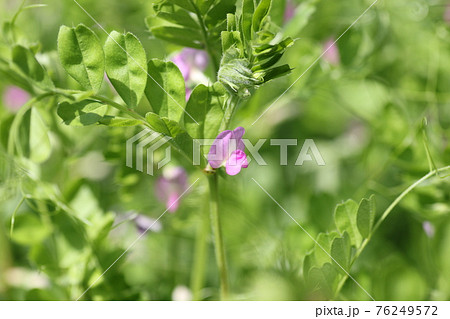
331 52
170 186
14 97
144 224
428 228
289 11
188 93
182 65
228 149
190 59
447 14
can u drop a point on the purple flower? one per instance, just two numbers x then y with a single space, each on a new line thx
188 93
228 150
14 97
170 186
428 228
331 52
289 11
144 224
189 60
182 65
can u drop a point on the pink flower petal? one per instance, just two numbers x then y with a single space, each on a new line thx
173 202
236 162
238 132
188 93
331 50
14 97
184 67
170 186
162 189
289 11
218 152
201 59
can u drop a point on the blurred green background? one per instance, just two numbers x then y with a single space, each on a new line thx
365 112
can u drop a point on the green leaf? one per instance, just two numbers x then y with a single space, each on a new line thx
166 89
181 139
276 72
33 137
218 13
81 113
230 39
326 278
71 228
267 51
157 124
308 263
126 66
205 106
231 22
82 56
264 37
267 63
322 249
181 36
366 216
169 12
183 142
25 61
29 229
114 121
248 8
204 5
345 219
260 13
341 251
196 108
40 147
185 4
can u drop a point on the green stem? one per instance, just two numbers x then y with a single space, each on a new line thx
120 107
18 118
229 112
208 48
386 214
218 240
105 100
13 217
200 255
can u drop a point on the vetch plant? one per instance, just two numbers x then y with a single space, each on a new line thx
98 90
243 51
228 150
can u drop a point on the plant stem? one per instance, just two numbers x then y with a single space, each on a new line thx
120 107
200 255
385 215
218 240
208 48
17 120
13 217
229 112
